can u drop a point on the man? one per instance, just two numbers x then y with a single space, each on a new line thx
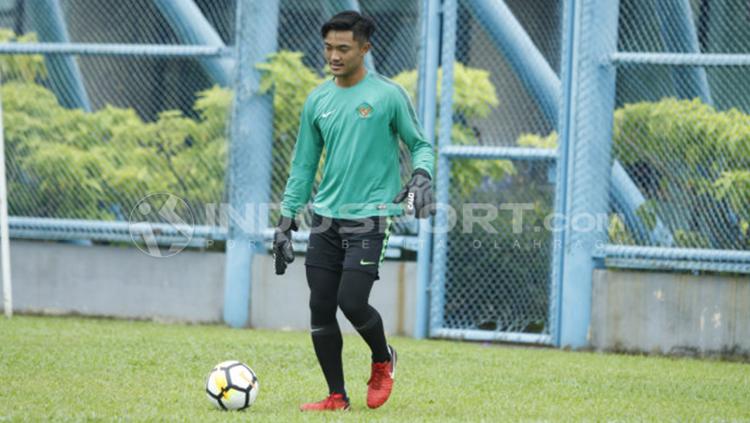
358 118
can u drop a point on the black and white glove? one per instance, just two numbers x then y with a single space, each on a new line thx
418 195
283 253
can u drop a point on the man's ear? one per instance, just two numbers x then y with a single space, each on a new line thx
365 47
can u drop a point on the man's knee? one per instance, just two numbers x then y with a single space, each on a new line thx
350 305
322 309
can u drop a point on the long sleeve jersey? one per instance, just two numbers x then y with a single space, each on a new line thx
359 127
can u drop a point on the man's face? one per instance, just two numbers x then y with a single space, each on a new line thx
343 53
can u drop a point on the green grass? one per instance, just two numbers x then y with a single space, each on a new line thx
58 369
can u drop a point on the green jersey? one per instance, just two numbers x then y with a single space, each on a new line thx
359 127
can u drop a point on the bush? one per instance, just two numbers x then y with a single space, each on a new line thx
691 162
70 164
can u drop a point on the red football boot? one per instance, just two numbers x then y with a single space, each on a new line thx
381 381
332 403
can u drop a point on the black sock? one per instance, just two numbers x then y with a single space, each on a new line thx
354 293
373 333
326 335
328 343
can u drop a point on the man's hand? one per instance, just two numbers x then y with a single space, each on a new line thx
418 195
282 244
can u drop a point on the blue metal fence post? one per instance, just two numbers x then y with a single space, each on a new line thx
440 252
191 27
428 70
251 143
590 36
67 82
561 164
680 36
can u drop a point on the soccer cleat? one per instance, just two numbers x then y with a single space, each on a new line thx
381 381
332 403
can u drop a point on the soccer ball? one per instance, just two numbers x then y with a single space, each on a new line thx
232 385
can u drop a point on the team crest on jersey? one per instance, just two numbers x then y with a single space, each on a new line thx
364 110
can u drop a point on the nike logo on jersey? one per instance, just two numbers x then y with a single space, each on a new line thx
326 114
366 263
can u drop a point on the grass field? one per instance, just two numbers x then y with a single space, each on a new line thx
72 369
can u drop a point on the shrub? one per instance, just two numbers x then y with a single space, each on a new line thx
691 162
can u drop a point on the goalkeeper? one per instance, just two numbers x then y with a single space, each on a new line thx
358 117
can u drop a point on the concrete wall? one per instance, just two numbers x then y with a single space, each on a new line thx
670 313
55 278
631 311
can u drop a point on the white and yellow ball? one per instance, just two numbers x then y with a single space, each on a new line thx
232 385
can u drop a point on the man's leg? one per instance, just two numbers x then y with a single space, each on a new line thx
364 253
326 335
365 244
353 297
353 300
323 270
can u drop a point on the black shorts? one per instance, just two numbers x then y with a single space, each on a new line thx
344 244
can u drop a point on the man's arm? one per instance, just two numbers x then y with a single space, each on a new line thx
410 132
418 191
307 152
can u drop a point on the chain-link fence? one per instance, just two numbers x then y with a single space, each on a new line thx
90 135
681 127
498 271
138 106
478 45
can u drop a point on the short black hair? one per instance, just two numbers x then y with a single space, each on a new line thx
361 26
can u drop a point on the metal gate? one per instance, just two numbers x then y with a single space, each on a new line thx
494 229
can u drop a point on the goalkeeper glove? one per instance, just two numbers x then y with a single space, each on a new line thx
418 195
282 244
